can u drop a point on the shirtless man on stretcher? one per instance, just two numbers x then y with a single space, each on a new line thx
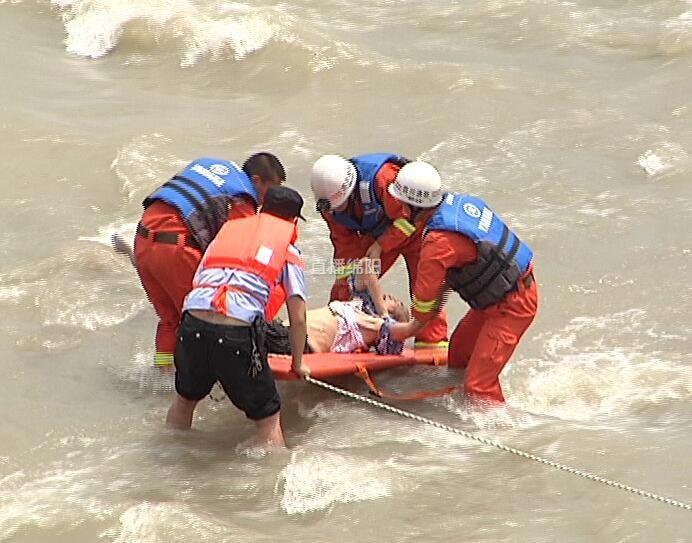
340 327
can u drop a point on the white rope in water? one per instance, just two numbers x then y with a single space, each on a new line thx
500 446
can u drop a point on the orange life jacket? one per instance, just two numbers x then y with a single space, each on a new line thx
259 245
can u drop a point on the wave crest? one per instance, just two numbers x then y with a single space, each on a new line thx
220 30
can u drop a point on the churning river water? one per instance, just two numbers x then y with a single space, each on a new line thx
572 118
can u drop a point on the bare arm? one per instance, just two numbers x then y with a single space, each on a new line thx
297 333
401 331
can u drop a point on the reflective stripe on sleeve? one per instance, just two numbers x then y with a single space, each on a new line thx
405 227
163 359
423 306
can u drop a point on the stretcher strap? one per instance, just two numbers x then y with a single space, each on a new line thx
364 374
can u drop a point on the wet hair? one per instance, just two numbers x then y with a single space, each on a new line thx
265 165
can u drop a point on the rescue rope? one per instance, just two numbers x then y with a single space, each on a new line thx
485 441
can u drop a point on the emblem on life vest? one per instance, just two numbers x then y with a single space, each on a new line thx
219 169
471 210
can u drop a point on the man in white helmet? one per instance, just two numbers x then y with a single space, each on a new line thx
469 249
365 220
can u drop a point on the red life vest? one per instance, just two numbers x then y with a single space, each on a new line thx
259 245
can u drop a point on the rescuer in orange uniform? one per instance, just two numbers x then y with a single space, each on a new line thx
469 249
221 335
180 219
364 219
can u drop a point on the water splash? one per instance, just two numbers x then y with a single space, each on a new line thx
315 482
665 158
600 367
218 30
143 164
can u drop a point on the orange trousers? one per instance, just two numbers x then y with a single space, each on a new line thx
484 340
436 330
166 272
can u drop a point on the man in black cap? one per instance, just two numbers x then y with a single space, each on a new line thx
245 275
283 202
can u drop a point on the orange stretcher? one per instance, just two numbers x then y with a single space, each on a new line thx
326 365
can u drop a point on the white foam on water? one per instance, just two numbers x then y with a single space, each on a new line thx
460 172
12 294
290 141
214 30
57 497
665 158
318 481
652 163
142 373
91 483
152 522
86 286
677 34
301 146
599 367
240 30
480 416
337 428
86 308
143 164
60 289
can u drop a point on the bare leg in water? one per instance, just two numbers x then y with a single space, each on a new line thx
182 410
269 431
180 413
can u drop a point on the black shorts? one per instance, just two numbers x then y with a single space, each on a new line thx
208 352
277 338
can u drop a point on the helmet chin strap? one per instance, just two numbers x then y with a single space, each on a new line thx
323 205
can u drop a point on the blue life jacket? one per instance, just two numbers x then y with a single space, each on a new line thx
503 258
201 194
374 220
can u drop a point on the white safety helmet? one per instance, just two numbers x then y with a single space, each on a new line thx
417 184
333 179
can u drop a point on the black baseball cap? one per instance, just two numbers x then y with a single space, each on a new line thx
283 202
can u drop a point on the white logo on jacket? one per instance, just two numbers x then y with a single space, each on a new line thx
219 169
471 210
201 170
486 219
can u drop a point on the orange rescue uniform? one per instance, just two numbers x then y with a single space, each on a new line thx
166 270
402 237
484 339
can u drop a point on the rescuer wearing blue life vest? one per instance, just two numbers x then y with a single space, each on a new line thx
181 218
365 220
468 248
